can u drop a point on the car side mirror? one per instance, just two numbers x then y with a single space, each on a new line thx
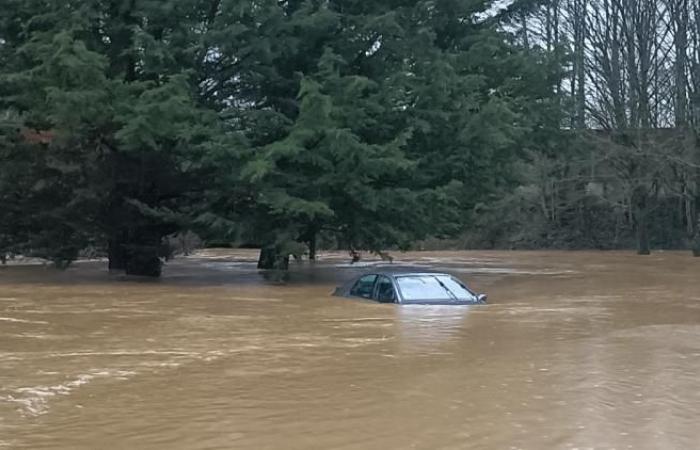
481 298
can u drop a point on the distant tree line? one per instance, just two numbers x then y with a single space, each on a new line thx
621 167
359 124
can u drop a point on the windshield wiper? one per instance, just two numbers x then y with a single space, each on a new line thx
452 294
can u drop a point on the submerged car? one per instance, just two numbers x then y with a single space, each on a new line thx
411 288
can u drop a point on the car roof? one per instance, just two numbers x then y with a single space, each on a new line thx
398 273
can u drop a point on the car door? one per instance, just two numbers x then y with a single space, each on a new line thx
364 287
384 291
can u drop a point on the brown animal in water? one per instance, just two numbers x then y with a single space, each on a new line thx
355 255
384 256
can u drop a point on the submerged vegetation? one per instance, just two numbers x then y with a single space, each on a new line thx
292 125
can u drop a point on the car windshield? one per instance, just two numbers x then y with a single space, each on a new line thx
433 288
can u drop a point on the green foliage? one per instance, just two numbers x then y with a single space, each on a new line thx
375 124
392 123
122 137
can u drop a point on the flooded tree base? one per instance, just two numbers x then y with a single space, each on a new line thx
144 264
696 246
271 259
141 260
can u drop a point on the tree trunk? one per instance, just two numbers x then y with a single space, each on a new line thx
641 213
680 16
142 260
578 85
272 259
312 247
643 237
693 191
116 252
136 254
525 31
695 243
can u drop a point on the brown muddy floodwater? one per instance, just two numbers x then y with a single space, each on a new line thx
575 350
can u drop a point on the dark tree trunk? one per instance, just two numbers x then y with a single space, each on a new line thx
143 260
266 260
272 259
643 238
116 252
136 253
641 214
695 240
312 247
696 243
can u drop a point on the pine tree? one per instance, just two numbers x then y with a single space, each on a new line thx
107 82
374 123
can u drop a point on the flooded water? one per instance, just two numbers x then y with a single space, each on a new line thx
574 350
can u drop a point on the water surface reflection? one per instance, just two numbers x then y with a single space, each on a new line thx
423 328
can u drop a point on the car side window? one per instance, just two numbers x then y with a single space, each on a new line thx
364 287
385 293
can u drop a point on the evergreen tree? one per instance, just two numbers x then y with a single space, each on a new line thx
377 123
105 81
395 120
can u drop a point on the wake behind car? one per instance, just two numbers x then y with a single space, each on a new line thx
411 288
